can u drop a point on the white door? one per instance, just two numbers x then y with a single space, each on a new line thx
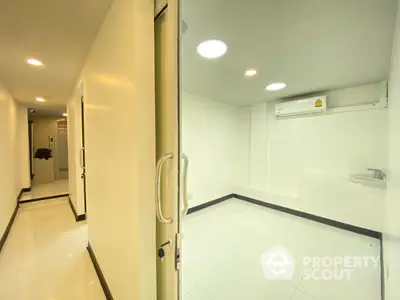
168 150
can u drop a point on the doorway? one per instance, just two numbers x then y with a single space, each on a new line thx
48 152
78 158
280 157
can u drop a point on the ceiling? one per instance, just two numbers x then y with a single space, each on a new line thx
59 33
47 112
311 45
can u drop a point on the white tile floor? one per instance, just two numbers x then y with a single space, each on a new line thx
56 187
223 246
45 256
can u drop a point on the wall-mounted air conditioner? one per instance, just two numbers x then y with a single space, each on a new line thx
313 105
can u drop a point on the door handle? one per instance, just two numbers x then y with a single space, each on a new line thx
184 185
160 163
81 157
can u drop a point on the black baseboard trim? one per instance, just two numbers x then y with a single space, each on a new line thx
78 218
210 203
315 218
318 219
24 190
99 273
161 12
20 195
44 198
8 228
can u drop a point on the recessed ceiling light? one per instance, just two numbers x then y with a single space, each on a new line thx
40 99
212 48
275 86
65 114
250 73
34 62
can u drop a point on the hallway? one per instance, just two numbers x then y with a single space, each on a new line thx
199 150
55 188
45 256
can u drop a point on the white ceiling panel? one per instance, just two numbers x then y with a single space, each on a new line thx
311 45
59 33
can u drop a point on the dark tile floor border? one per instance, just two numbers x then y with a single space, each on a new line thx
44 198
301 214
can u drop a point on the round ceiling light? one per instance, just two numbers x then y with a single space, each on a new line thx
65 115
40 99
250 73
34 62
275 86
212 48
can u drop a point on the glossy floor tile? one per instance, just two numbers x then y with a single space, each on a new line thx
57 187
45 256
224 247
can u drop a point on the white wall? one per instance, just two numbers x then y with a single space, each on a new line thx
391 237
12 170
304 162
120 149
215 139
62 145
23 145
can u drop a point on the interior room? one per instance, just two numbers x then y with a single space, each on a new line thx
285 126
217 150
48 143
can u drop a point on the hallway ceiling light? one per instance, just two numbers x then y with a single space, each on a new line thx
40 99
65 115
250 73
212 48
34 62
275 86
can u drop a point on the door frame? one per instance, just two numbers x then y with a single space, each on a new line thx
167 62
83 176
30 141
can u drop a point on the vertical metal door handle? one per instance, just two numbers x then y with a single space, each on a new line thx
184 185
160 163
81 157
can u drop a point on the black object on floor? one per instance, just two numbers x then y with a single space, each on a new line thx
43 153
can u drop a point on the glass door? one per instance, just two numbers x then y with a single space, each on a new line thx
284 120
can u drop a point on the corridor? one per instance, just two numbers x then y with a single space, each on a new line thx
45 256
